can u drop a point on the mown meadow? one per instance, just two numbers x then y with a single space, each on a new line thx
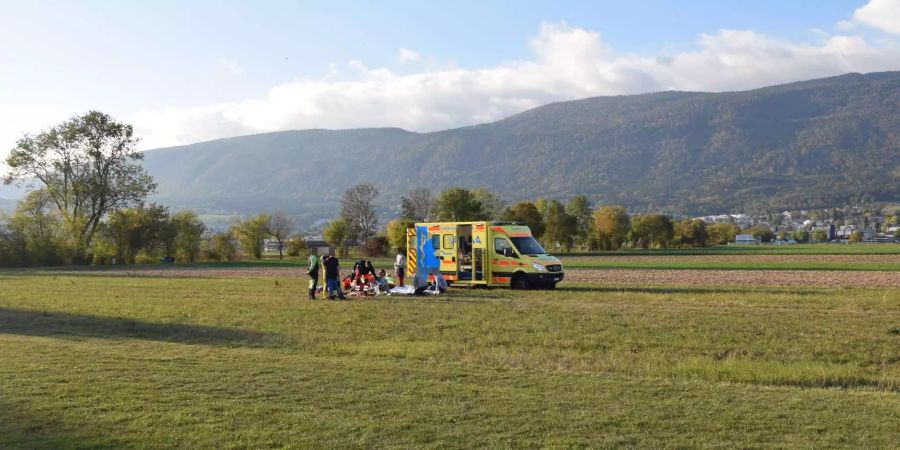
97 361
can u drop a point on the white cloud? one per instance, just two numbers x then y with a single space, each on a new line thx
405 55
883 15
230 67
567 63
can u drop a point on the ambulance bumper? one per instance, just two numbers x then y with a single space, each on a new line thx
543 279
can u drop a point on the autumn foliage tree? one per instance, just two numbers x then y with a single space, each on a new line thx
611 226
251 234
527 213
88 166
651 230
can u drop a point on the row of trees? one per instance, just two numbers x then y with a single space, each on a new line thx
88 205
85 171
37 235
563 226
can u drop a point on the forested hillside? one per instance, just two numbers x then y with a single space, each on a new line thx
810 144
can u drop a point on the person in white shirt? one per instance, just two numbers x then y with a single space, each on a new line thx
400 266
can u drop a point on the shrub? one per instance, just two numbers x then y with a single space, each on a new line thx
145 258
296 247
377 246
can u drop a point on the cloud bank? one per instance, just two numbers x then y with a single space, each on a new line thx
883 15
567 63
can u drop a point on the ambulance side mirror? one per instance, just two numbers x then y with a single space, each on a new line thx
508 252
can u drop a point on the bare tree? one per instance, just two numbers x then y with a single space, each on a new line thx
418 205
358 210
281 226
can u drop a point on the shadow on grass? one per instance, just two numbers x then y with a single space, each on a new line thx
689 290
68 325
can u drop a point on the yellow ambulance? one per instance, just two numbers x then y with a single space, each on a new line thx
481 253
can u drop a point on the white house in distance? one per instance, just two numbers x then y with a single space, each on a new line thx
747 239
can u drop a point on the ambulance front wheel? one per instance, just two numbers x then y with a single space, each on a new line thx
520 282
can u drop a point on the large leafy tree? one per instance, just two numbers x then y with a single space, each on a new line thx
579 207
561 227
652 230
222 246
396 233
88 168
189 232
337 233
492 204
459 205
251 234
527 213
692 233
142 229
11 247
611 226
723 233
358 210
39 228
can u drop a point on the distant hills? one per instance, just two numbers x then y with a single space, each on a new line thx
809 144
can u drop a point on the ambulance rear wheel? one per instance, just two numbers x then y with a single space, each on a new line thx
520 283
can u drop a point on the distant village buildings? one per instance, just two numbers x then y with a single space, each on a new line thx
871 228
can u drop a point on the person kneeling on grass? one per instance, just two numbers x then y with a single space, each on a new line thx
423 286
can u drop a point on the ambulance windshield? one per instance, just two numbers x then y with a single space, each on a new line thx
528 246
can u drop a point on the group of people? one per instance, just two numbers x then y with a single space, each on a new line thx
363 280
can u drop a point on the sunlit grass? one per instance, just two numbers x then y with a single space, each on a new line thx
91 361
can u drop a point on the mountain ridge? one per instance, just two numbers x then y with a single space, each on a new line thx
813 143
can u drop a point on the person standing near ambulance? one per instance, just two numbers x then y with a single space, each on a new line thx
400 266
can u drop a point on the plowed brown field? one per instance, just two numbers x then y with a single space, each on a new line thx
641 277
809 278
849 259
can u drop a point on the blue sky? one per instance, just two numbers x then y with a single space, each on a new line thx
189 71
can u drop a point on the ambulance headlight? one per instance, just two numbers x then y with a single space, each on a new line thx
538 267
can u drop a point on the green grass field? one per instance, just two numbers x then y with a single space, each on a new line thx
108 361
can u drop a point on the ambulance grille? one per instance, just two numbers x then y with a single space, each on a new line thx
554 267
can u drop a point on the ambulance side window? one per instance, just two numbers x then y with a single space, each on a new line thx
436 242
500 245
448 241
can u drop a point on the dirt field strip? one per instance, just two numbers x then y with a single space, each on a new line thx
810 278
848 259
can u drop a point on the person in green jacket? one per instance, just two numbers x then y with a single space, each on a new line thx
313 272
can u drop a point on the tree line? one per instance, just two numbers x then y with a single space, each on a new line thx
559 226
88 206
